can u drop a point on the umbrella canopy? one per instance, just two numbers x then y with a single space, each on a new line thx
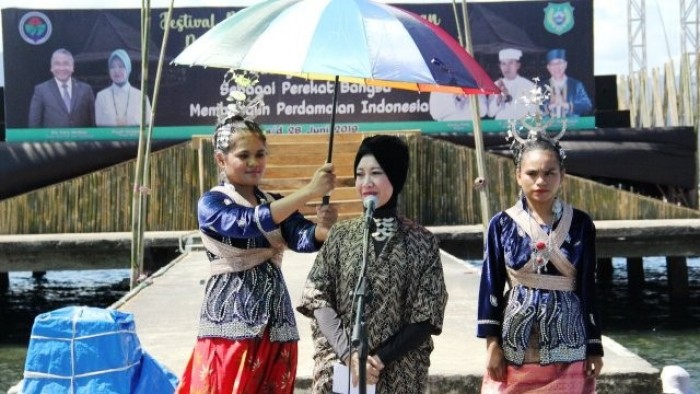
356 41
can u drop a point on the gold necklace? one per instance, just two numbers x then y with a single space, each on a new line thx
121 121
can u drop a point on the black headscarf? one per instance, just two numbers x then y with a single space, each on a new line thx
391 153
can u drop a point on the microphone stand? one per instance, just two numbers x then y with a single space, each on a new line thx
362 293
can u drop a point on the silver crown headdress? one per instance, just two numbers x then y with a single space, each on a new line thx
535 124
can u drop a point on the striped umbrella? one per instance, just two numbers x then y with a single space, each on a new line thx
356 41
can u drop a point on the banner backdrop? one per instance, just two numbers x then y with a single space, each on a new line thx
191 98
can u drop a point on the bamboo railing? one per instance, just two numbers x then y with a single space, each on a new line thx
438 191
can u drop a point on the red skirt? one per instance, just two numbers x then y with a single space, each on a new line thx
223 366
542 379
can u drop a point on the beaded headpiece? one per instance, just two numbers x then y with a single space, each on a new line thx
536 126
243 106
224 132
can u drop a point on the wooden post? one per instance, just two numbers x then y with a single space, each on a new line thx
4 281
635 277
604 271
677 270
38 275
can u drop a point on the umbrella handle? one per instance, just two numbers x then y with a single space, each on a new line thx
331 132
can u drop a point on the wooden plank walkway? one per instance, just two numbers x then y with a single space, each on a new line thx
166 310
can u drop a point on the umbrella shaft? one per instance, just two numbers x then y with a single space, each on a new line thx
332 129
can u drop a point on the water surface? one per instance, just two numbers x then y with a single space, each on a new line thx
647 324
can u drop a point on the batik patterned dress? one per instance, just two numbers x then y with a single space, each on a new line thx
406 284
247 331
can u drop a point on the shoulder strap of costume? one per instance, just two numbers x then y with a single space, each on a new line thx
558 236
275 236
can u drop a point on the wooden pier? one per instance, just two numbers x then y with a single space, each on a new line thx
166 311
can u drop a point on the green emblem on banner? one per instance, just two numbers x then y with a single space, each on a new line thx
559 18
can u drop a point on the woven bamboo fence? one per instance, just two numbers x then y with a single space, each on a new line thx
101 201
438 191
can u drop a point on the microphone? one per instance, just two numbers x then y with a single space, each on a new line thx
370 203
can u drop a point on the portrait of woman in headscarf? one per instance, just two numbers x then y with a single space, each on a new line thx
119 104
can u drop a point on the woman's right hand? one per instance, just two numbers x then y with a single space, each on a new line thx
322 182
496 364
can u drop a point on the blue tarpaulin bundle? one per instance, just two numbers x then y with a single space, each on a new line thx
85 350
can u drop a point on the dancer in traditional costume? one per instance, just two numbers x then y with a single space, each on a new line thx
247 340
543 335
407 293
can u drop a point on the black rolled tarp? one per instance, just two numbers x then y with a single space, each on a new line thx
32 165
659 156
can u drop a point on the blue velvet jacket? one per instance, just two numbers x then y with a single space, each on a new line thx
567 321
242 304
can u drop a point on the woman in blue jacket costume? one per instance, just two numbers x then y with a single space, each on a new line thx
543 334
247 339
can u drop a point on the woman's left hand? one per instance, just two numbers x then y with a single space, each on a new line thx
326 216
593 366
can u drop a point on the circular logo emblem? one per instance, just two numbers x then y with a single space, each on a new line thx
35 28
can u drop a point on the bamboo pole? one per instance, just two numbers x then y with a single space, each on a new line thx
686 116
695 200
633 100
136 205
478 135
200 164
622 86
672 102
644 103
657 99
459 27
142 178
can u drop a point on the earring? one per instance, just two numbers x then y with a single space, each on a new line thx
222 177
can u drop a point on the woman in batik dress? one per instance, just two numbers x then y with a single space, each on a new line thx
543 336
407 293
247 337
